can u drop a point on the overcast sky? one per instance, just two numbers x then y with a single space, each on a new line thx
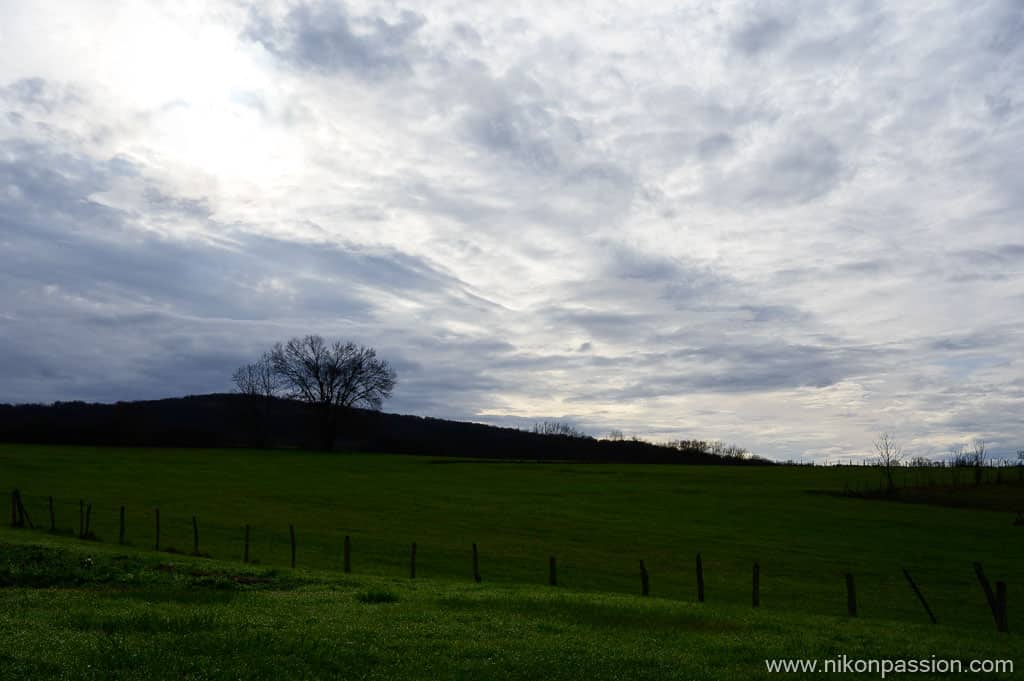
787 225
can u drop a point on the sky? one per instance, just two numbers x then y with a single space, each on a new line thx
791 226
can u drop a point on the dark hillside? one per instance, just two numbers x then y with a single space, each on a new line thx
229 420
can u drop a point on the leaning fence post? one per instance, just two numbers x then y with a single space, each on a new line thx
920 596
700 579
1002 621
645 582
476 564
412 561
120 536
195 535
291 532
851 596
53 523
245 556
552 571
23 516
156 512
979 571
757 585
348 554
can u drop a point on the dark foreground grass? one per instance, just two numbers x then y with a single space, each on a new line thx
598 520
100 612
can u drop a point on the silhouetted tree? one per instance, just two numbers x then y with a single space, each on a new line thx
977 459
889 456
256 379
259 384
330 376
558 428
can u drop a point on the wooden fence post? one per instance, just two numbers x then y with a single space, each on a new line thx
757 585
348 554
156 545
552 571
53 523
412 561
195 535
851 596
88 521
291 532
23 516
120 536
476 564
1002 621
645 581
920 596
245 556
990 597
700 579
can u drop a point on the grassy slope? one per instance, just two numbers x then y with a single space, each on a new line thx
100 611
598 519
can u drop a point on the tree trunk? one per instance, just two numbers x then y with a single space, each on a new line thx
328 427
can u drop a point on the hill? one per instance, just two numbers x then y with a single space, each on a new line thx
229 420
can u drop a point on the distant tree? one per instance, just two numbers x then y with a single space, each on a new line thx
1020 464
977 459
958 460
258 383
558 428
890 454
331 375
615 435
257 379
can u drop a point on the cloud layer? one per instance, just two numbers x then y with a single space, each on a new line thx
783 225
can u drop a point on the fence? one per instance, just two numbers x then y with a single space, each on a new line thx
81 512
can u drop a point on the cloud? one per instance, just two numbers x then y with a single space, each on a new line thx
324 38
760 34
791 227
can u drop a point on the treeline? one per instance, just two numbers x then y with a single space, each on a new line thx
233 420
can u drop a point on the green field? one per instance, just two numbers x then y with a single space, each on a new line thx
599 520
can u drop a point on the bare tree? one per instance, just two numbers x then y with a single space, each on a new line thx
977 459
256 379
258 384
558 428
890 454
330 376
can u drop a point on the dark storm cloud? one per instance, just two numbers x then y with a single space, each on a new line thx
324 37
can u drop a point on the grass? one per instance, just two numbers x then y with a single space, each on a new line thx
108 612
1007 496
599 520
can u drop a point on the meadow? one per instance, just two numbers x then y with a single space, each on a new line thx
598 520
